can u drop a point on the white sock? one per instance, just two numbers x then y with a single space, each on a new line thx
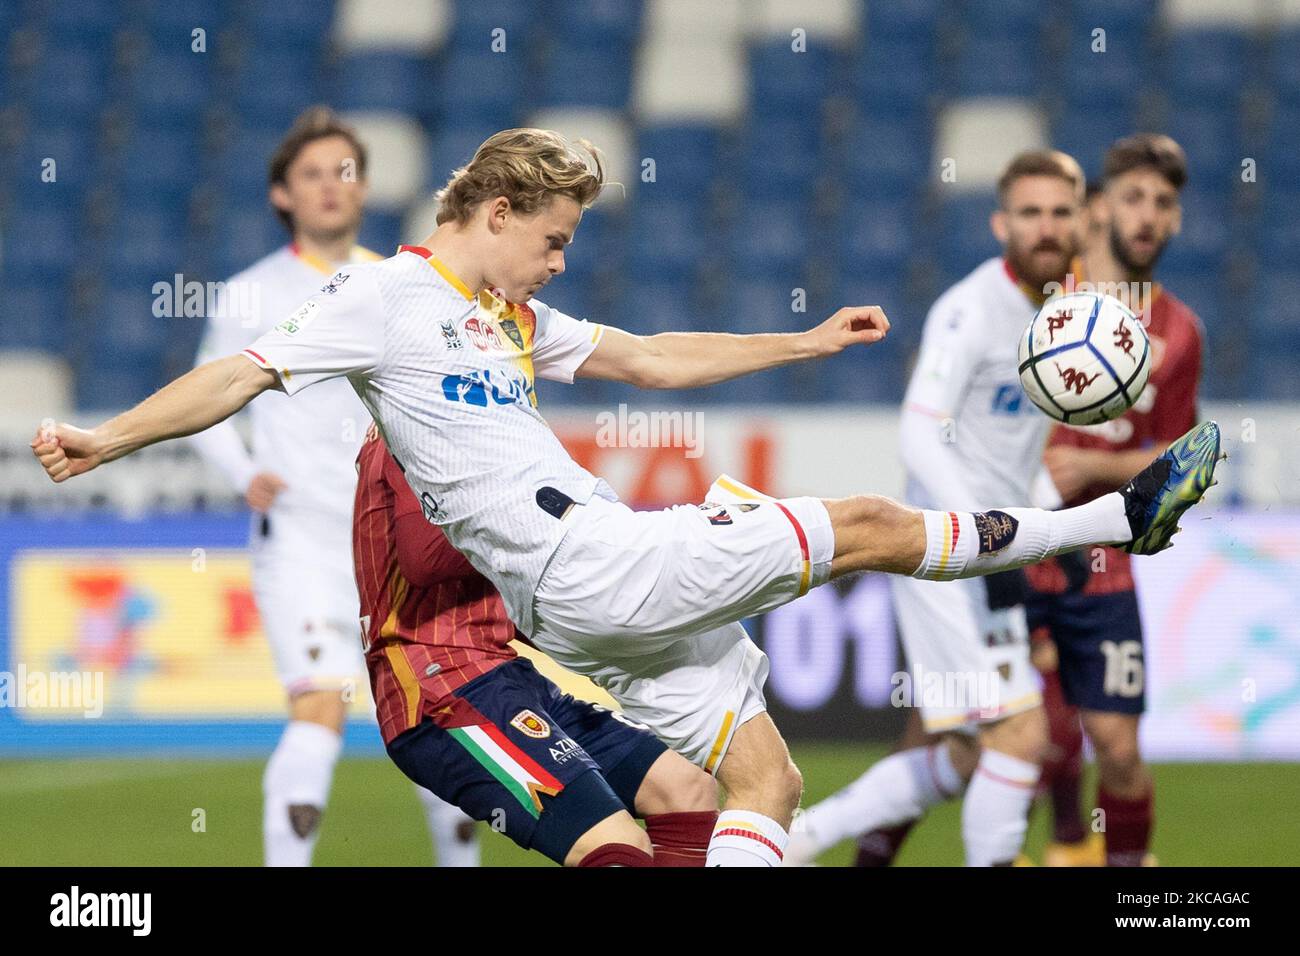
899 788
294 790
446 823
960 544
746 838
995 813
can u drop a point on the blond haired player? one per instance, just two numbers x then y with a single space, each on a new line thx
442 343
299 478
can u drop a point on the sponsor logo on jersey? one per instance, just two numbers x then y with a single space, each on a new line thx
565 748
995 530
300 319
1007 399
526 722
720 518
483 387
482 334
451 336
333 285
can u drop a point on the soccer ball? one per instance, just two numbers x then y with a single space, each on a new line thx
1085 358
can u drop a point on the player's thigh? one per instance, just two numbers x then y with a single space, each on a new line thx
758 766
650 577
498 753
324 707
1101 652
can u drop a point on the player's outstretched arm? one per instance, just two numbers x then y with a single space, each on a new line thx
195 401
694 359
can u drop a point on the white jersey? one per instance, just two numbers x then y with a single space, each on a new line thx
448 376
970 437
313 445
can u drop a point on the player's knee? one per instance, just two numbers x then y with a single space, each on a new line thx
1118 752
964 754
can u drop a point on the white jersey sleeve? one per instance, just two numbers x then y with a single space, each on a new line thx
339 331
221 445
561 343
952 345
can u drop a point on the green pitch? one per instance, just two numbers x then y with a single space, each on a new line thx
143 812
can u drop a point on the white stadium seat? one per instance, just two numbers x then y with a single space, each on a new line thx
609 132
687 21
404 25
833 20
397 157
685 81
1191 14
36 385
981 136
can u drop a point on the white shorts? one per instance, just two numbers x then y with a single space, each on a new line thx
646 604
968 664
306 593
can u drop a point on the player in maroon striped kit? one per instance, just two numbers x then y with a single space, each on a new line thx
1088 606
468 718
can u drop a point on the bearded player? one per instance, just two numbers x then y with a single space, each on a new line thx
298 478
1088 608
443 341
969 436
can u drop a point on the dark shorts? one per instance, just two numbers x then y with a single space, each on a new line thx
534 763
1099 644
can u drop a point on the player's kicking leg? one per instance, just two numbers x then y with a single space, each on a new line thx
875 533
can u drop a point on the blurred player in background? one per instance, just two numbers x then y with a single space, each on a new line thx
464 715
1084 610
970 439
299 478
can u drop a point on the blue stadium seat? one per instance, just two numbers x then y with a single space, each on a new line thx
647 308
72 82
771 240
480 88
1207 67
883 159
997 65
77 163
117 381
782 159
385 81
1280 162
1018 20
594 22
381 232
894 77
272 86
475 21
1203 242
147 243
243 167
763 304
73 23
1279 228
1104 81
36 317
303 25
575 295
914 20
874 235
160 166
788 83
686 159
171 22
172 89
1284 66
598 249
1086 133
666 239
964 236
38 242
854 376
587 76
1274 339
1203 291
1119 18
1212 142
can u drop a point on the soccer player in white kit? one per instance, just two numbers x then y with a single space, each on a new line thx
970 438
299 478
647 603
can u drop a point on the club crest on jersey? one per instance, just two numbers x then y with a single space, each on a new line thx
482 334
451 336
333 285
511 328
526 722
995 530
720 518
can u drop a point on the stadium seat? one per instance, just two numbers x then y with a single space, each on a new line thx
598 249
1085 135
91 22
274 85
147 243
160 166
77 163
884 159
36 318
685 156
595 22
981 136
480 88
965 239
893 78
381 232
669 23
1284 66
1018 20
172 89
36 385
666 239
1279 227
243 235
302 25
1212 141
770 240
385 80
410 26
38 238
914 20
692 79
397 160
996 66
1206 67
474 21
585 76
874 235
782 159
788 83
1106 81
835 22
647 308
1204 241
72 82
